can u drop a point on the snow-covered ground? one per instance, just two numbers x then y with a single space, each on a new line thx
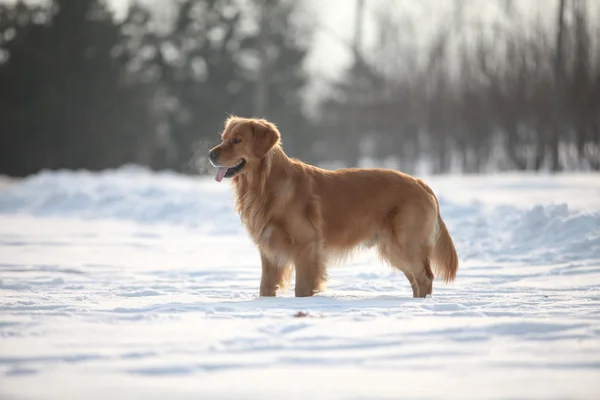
133 285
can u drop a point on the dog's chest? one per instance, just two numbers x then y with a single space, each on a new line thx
264 217
254 213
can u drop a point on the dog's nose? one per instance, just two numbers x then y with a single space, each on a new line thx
214 154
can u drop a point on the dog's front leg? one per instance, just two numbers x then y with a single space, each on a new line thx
274 276
310 272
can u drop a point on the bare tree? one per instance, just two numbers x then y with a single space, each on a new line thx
559 88
517 94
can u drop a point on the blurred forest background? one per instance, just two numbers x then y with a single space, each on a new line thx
81 88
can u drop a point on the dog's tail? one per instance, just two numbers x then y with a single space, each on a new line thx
444 255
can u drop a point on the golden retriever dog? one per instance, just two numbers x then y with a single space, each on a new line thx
304 217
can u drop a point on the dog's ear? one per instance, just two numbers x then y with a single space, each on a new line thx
265 136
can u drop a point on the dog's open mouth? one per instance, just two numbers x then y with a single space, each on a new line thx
228 172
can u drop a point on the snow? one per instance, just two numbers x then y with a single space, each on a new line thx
133 284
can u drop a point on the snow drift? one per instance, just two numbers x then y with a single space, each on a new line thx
135 194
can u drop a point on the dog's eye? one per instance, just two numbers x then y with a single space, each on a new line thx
236 140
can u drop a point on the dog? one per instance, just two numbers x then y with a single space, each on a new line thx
303 217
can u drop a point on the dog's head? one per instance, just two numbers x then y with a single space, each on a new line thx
245 141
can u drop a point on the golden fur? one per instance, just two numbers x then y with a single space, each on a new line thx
304 217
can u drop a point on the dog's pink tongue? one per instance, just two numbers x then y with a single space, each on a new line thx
221 171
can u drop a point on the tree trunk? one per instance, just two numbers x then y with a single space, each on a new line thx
554 142
261 89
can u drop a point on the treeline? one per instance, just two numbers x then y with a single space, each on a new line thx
80 88
520 96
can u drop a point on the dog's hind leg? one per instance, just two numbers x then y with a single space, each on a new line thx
275 276
406 245
311 272
420 278
415 266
